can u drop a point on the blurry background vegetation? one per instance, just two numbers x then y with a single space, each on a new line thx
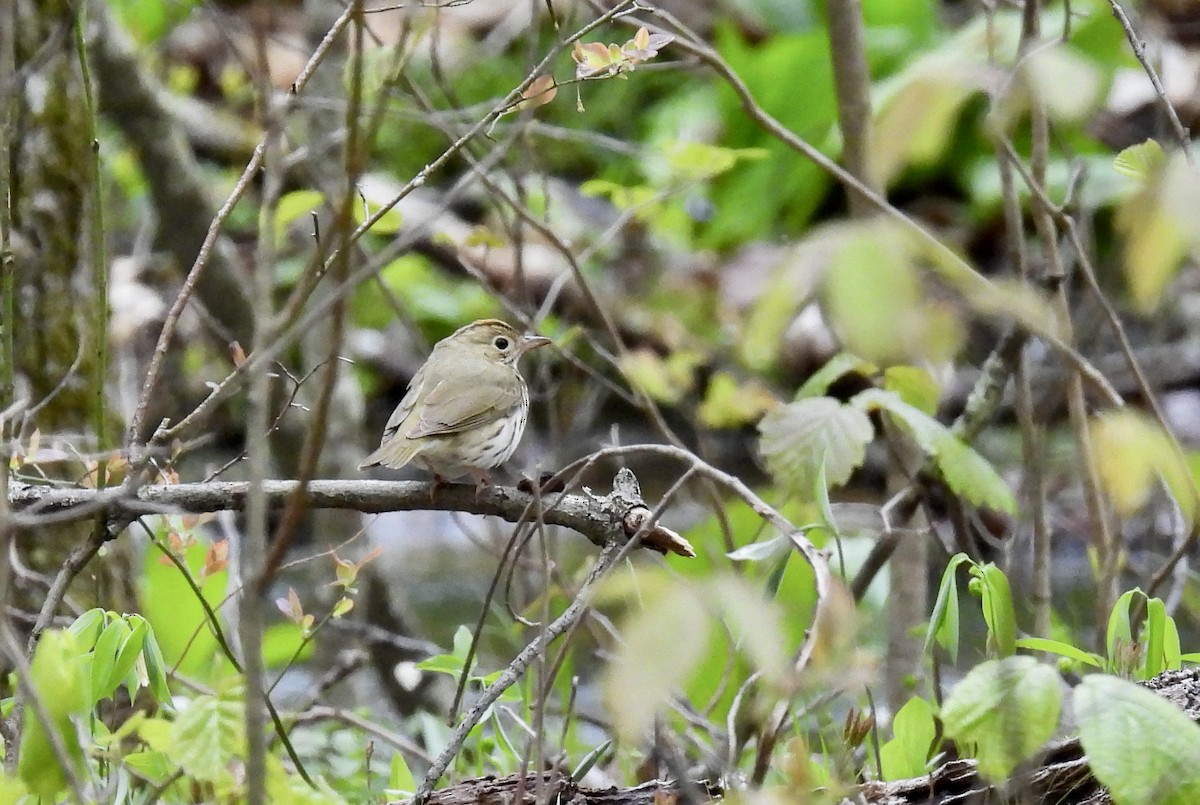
721 278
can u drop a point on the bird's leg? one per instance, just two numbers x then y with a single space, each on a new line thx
482 480
438 481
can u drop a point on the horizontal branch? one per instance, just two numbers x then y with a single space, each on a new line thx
599 518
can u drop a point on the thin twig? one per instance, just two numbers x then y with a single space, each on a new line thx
1139 52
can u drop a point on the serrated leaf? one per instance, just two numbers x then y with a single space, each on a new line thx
965 471
205 736
1002 712
1115 718
794 439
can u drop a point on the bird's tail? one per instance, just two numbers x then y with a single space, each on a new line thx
394 454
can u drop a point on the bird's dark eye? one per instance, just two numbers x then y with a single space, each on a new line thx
500 343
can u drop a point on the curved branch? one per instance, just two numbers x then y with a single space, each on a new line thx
595 517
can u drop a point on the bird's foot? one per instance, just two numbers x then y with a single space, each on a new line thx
438 483
482 480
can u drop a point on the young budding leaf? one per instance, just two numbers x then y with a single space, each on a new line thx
795 437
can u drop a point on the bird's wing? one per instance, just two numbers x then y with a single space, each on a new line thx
473 397
406 405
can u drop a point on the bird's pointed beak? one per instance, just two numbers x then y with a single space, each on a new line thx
532 342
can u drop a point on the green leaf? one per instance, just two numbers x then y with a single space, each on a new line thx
755 622
915 386
1155 634
730 403
104 657
149 765
155 668
591 759
87 627
1132 455
293 206
206 736
1158 227
692 161
178 619
1140 161
906 755
284 643
762 551
875 298
795 437
998 610
127 656
57 674
1007 709
965 471
1119 638
642 676
835 369
400 777
1061 649
943 623
1115 718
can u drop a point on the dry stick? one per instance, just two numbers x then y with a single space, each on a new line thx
852 82
77 560
1035 478
252 555
8 268
34 505
314 439
1031 443
1077 413
1139 52
210 240
8 99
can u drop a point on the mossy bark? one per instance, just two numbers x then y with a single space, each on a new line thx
50 184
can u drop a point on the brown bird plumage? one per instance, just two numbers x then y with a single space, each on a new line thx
466 407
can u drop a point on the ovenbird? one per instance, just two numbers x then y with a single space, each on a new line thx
466 407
